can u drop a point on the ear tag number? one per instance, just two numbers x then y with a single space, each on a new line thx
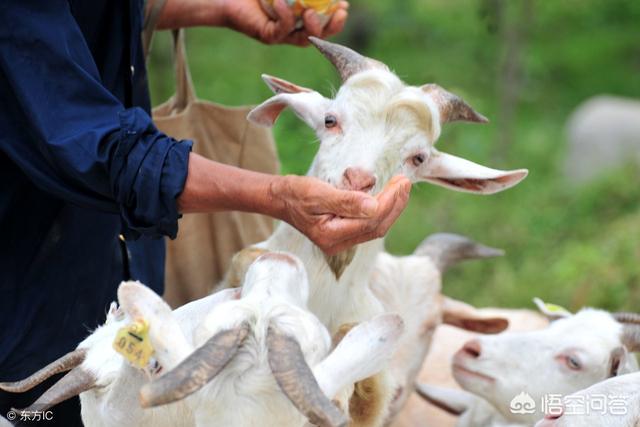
132 342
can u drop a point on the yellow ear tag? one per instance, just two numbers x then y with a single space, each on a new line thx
132 342
554 308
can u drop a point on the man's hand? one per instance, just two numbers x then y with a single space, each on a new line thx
334 219
248 17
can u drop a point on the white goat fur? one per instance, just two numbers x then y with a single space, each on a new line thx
537 362
580 412
382 125
436 372
412 285
245 393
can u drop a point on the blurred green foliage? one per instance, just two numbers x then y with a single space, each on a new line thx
571 246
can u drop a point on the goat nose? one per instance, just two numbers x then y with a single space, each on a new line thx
555 413
357 179
552 419
472 349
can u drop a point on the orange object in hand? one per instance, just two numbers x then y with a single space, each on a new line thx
324 8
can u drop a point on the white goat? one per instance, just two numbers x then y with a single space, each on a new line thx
412 285
436 371
574 352
611 403
248 359
374 128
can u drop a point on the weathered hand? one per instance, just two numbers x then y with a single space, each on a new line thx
248 17
336 220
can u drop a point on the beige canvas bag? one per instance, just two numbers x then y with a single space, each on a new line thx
198 258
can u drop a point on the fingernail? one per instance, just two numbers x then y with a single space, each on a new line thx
369 206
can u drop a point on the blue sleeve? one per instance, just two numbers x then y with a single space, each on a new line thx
70 135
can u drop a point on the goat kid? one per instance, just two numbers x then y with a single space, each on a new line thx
574 352
412 285
611 403
262 359
436 372
374 128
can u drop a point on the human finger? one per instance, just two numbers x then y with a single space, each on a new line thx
392 204
312 24
338 20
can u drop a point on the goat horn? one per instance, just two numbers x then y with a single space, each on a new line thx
347 61
452 108
627 318
447 249
296 380
63 364
631 337
195 371
72 384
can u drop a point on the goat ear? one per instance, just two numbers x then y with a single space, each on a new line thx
551 311
362 353
465 316
620 362
462 175
278 85
452 400
309 106
168 340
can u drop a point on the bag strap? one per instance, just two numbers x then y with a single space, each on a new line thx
185 92
153 10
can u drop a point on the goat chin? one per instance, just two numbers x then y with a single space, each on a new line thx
335 301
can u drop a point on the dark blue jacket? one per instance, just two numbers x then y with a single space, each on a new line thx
80 163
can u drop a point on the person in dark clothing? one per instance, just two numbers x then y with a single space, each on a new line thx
89 186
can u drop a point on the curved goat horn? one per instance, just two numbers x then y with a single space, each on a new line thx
296 380
452 108
65 363
195 371
627 318
75 382
631 337
347 61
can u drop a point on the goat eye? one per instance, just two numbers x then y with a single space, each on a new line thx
418 159
573 363
330 121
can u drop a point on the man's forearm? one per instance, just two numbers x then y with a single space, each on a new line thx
191 13
213 186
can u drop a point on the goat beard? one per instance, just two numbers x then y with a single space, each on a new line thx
338 263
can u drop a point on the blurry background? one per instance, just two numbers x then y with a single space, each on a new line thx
525 64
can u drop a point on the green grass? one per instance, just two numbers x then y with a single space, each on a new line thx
571 246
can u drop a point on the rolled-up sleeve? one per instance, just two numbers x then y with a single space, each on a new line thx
147 174
70 135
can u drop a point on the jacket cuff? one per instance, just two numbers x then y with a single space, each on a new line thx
149 171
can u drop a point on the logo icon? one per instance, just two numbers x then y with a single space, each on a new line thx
522 404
